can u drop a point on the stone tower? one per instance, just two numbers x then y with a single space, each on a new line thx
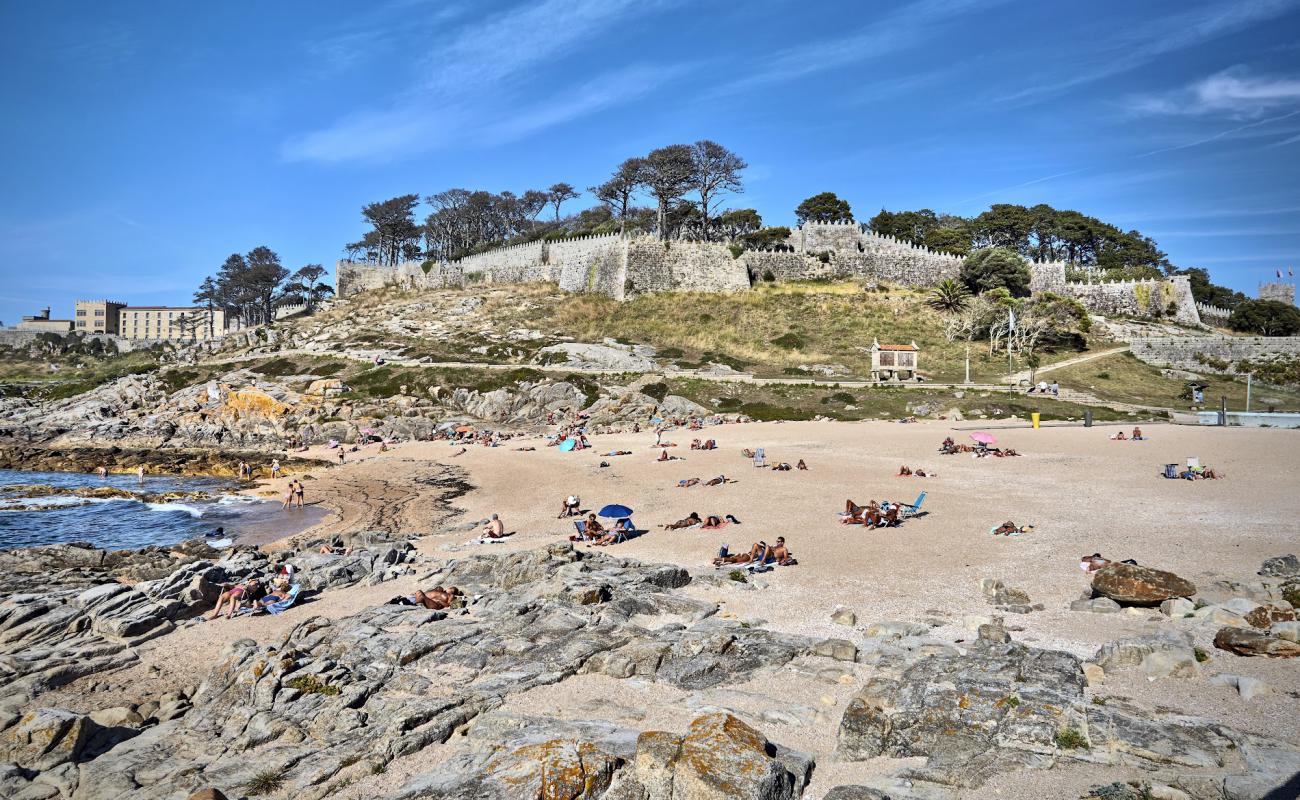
1281 292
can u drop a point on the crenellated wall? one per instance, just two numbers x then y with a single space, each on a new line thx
1191 352
618 266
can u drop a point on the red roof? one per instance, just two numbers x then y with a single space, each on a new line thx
897 347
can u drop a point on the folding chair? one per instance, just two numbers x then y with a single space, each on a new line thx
911 509
760 457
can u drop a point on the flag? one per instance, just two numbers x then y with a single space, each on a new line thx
1290 273
1011 321
1279 274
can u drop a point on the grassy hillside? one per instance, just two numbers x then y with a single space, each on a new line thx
774 330
1125 379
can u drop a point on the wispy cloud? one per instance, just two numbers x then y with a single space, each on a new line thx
1133 47
894 32
471 84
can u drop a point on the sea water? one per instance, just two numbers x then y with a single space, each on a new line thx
125 523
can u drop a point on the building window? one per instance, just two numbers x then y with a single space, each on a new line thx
99 312
81 323
81 312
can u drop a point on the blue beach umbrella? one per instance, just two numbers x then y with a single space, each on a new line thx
615 511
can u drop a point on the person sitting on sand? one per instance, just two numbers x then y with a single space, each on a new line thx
721 479
799 465
570 507
494 529
693 519
759 552
592 530
904 471
782 554
663 456
1137 435
695 444
250 591
709 444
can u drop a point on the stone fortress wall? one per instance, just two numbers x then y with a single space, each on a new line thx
1192 352
622 266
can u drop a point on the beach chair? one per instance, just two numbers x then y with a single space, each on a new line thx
621 529
1171 470
283 605
911 509
582 529
1193 462
760 457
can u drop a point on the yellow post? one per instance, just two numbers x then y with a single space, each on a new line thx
1033 416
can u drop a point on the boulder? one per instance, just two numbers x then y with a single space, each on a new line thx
719 758
207 794
844 616
1246 642
1265 615
1177 607
1131 584
45 738
1161 656
1286 630
1281 567
677 406
1096 605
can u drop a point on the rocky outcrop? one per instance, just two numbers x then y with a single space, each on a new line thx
1002 705
1130 584
390 680
163 461
609 355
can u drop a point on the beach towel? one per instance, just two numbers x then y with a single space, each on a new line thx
719 526
283 605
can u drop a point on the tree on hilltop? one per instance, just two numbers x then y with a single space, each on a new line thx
739 222
394 236
618 191
669 172
715 171
305 284
1266 318
208 297
824 207
996 268
948 296
559 193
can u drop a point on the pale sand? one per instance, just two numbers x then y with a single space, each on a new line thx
1083 492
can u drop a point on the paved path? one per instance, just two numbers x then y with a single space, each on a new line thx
1069 362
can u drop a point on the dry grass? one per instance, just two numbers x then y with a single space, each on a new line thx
1124 378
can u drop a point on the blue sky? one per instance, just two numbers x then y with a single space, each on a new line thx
144 142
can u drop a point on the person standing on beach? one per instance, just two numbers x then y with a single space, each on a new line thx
298 492
140 472
288 497
275 468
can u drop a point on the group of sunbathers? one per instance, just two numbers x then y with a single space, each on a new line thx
907 472
981 450
1010 528
759 554
1136 437
785 466
252 594
595 533
711 521
718 481
872 515
707 444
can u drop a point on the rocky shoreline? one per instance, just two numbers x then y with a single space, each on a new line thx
162 461
327 708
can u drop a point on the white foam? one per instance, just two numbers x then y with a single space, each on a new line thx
191 510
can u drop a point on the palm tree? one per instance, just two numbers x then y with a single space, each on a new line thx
948 295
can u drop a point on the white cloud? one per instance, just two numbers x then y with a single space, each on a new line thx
1139 45
1233 92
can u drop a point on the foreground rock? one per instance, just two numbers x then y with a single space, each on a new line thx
171 461
1245 642
1004 706
1130 584
338 698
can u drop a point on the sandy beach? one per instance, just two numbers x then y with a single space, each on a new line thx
1081 491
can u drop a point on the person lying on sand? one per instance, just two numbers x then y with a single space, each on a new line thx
693 519
460 452
852 514
1093 563
712 521
618 453
1010 528
663 456
783 467
687 483
250 591
718 480
437 598
747 453
1118 436
278 594
759 552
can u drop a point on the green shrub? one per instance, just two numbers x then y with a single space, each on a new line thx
264 782
738 575
656 390
769 276
1070 739
725 403
790 341
311 684
767 412
1201 655
1105 376
736 250
1291 594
